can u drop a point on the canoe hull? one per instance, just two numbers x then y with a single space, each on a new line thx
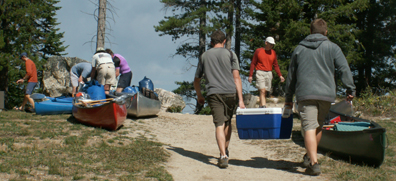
141 106
108 116
366 146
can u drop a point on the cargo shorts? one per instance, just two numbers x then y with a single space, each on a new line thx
106 74
222 108
264 79
313 113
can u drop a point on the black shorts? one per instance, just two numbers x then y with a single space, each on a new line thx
125 80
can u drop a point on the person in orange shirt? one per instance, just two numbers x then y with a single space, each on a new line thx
263 61
31 77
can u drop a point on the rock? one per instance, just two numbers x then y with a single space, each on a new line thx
56 75
250 100
169 99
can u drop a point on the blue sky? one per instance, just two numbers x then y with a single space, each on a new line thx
132 35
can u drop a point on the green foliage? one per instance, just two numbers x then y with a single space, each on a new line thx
372 104
174 109
26 26
205 111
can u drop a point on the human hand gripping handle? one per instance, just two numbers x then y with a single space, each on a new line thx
349 98
241 104
287 110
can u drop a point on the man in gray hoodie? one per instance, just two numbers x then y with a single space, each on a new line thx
311 78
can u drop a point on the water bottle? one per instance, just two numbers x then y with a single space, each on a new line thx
287 111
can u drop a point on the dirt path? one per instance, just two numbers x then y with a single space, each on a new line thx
191 143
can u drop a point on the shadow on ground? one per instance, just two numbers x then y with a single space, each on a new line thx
255 162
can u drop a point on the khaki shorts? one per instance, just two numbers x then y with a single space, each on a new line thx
73 79
313 113
264 79
222 108
106 74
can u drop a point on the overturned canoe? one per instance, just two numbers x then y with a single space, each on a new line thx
57 105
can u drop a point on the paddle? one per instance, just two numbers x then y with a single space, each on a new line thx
94 101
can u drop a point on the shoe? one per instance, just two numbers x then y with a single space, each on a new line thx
263 106
30 110
223 162
306 161
227 153
313 169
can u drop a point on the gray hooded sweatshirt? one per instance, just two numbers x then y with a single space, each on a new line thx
312 68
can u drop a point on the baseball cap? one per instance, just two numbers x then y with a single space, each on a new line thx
270 40
23 54
100 49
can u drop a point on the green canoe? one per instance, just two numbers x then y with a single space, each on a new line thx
365 145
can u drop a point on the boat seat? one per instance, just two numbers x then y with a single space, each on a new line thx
355 126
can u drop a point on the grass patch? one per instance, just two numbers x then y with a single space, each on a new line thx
31 146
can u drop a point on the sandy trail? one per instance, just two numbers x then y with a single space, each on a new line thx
191 143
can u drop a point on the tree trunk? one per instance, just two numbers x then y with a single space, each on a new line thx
230 22
101 24
202 45
238 30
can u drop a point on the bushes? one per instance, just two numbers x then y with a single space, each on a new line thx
376 105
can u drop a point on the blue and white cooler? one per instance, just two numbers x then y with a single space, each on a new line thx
263 123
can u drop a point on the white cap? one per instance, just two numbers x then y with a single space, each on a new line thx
100 49
270 40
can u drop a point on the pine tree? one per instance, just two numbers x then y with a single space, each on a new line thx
288 21
375 66
26 26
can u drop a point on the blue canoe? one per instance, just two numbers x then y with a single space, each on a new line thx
57 105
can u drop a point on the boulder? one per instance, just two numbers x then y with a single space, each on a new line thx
56 75
169 99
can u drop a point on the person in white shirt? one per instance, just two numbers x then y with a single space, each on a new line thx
103 68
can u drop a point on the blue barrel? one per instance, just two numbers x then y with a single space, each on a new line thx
146 83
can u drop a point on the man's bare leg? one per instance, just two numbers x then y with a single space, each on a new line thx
262 97
107 88
312 139
228 132
221 139
119 89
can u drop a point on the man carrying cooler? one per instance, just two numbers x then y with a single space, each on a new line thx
311 78
221 69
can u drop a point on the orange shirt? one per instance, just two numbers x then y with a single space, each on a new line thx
31 70
264 60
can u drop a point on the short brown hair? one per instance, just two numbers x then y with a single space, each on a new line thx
318 26
217 37
108 50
